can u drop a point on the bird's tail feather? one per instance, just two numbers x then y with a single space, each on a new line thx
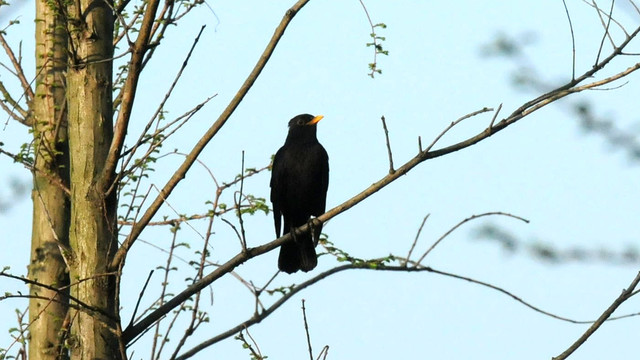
299 254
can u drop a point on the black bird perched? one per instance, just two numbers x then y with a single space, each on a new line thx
299 181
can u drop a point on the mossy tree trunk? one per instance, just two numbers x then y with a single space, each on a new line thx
50 200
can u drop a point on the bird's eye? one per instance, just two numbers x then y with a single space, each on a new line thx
300 122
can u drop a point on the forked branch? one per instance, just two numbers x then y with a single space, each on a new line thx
180 173
422 156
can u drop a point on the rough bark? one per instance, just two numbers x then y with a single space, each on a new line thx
50 202
92 234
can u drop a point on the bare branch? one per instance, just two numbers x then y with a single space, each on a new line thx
28 165
144 288
165 283
473 217
180 173
306 330
26 87
606 28
601 12
626 294
495 115
415 241
240 258
573 42
143 135
138 50
325 352
23 118
243 238
255 354
155 144
386 136
79 305
454 123
256 318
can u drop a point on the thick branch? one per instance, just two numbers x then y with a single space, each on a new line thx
523 111
213 130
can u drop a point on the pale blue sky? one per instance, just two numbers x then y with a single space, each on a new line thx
576 191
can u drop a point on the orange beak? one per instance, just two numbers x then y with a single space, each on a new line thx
315 120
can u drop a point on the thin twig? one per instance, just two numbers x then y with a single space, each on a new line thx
606 29
470 218
254 354
143 135
26 87
376 46
163 293
24 114
255 343
323 353
454 123
306 330
595 6
54 179
573 42
415 241
177 213
495 116
386 136
135 309
243 238
80 305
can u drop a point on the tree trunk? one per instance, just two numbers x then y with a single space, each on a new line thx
93 229
47 308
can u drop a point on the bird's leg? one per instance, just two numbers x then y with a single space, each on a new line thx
312 230
293 234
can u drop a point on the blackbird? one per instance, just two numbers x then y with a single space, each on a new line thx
299 182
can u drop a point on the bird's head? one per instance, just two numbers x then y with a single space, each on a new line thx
304 120
302 129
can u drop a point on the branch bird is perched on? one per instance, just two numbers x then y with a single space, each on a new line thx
299 181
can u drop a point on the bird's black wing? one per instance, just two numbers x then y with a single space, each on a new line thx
318 181
278 188
324 182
